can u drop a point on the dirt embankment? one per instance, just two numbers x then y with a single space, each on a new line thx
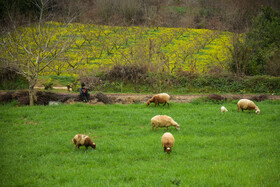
45 97
188 98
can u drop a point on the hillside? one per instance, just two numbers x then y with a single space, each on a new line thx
196 50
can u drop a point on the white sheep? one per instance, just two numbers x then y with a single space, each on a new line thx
163 121
167 141
83 140
246 104
159 98
223 109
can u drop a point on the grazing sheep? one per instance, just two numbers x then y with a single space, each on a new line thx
223 109
83 140
163 121
167 141
159 98
246 104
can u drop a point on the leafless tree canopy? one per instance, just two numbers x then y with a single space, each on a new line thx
231 15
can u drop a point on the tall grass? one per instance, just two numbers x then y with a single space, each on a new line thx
211 149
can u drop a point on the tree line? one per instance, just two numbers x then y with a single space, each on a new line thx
231 15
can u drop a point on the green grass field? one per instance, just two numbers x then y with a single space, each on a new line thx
211 149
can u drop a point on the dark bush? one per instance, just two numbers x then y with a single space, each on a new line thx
6 97
123 73
22 97
216 97
259 97
92 82
102 98
10 80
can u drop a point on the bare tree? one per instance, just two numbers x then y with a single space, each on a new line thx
240 53
31 50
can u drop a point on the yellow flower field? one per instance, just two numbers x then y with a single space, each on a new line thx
160 48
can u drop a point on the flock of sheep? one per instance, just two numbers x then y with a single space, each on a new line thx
167 139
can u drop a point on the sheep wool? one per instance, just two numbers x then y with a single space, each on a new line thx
83 140
223 109
163 121
159 98
246 104
167 141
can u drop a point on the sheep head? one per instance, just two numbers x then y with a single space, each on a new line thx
148 103
258 111
93 145
177 127
89 142
168 150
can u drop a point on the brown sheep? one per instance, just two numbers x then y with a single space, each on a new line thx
167 142
159 98
163 121
246 104
83 140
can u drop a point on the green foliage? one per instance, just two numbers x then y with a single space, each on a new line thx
55 80
259 84
48 84
25 7
13 103
188 83
266 84
9 80
211 149
62 79
177 9
264 39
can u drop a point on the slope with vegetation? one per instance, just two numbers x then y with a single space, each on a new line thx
168 49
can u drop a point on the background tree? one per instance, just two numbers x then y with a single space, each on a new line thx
240 53
264 41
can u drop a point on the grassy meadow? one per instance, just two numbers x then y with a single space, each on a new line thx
211 149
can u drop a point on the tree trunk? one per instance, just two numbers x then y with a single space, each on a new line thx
136 87
31 92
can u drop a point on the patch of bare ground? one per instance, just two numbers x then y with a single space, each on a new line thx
46 97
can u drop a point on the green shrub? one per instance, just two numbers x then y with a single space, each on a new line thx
63 80
10 80
48 84
181 83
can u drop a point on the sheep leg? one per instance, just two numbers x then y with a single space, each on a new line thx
168 105
164 104
153 127
78 146
156 128
164 149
